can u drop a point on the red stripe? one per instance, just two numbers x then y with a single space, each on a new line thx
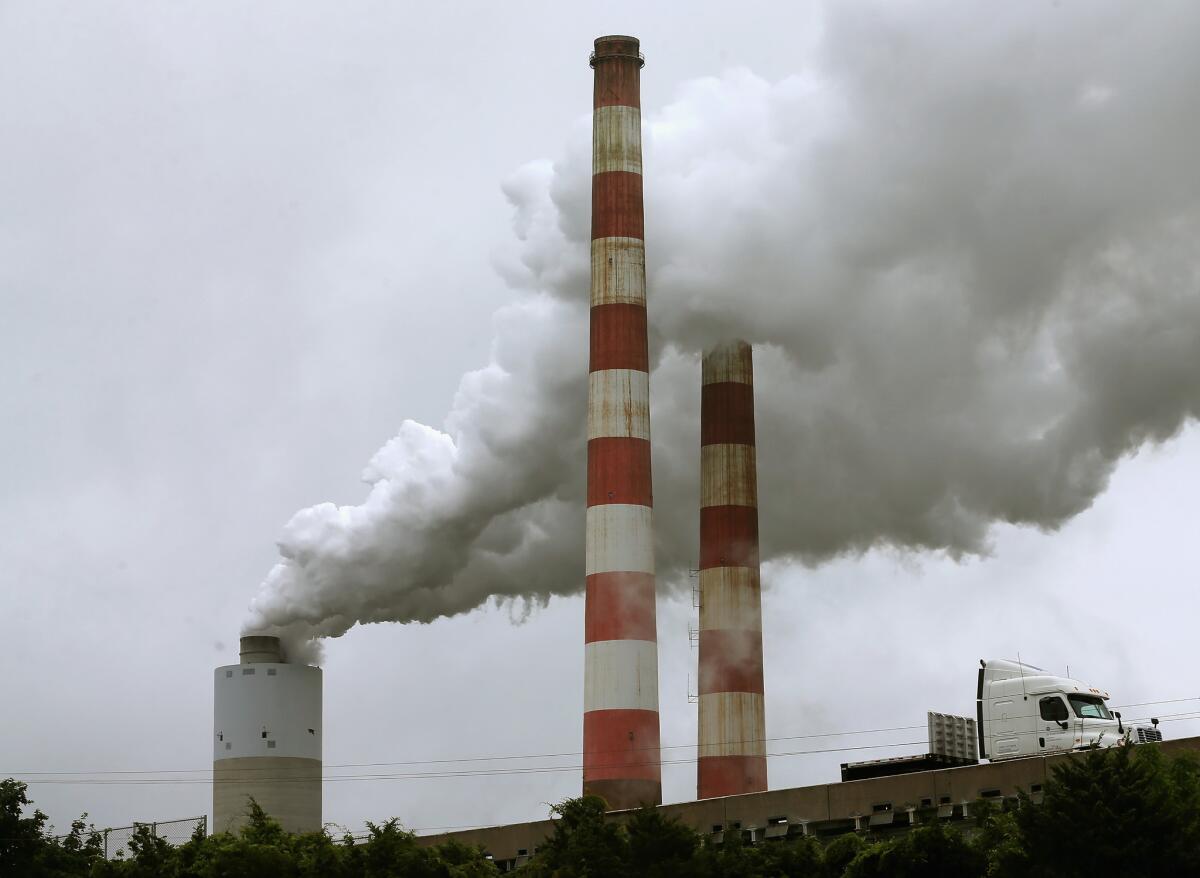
730 775
621 795
619 606
731 661
619 471
728 536
619 337
621 745
618 79
727 413
617 205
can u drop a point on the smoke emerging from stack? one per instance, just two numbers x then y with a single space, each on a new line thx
965 255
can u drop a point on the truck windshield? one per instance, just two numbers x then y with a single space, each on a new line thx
1089 707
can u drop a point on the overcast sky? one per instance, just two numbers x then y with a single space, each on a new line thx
240 246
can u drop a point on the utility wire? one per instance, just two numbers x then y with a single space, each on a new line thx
477 772
95 776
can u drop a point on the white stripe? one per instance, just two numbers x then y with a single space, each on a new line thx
618 404
732 724
617 139
618 271
730 599
620 537
728 475
620 675
729 361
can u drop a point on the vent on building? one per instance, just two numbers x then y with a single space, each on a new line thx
777 827
229 673
246 672
270 745
228 746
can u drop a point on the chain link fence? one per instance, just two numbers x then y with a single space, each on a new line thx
115 839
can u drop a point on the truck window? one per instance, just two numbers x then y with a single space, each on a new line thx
1053 709
1090 707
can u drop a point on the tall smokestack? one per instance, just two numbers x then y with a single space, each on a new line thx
620 720
267 739
732 752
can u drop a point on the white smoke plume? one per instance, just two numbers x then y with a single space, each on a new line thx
966 252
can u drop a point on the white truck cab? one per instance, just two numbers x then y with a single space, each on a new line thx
1024 711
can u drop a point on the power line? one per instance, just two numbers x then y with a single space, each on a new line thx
98 776
480 772
506 757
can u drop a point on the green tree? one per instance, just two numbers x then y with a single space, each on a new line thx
798 857
150 856
931 851
659 846
1121 811
840 852
584 843
464 861
21 841
733 858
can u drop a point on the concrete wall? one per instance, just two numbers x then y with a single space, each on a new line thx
826 807
288 789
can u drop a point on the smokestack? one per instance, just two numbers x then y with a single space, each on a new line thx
620 720
267 739
732 752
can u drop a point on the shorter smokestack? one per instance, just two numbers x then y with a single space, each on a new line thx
261 648
267 739
732 718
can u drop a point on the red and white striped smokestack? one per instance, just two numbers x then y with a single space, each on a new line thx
732 747
620 720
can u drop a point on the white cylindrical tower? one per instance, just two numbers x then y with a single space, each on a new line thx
267 739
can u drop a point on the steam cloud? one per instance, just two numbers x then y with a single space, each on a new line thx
966 253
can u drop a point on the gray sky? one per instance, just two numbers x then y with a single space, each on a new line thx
239 247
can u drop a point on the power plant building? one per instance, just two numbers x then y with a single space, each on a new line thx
267 739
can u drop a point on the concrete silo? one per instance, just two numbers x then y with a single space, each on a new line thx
267 739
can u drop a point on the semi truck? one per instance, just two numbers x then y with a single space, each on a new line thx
1020 710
